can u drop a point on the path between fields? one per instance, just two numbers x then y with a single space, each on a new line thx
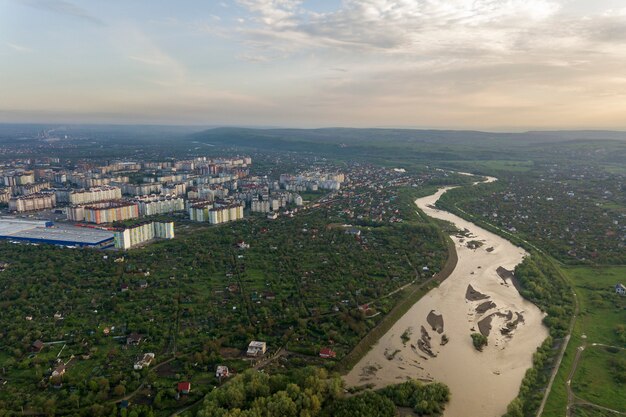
572 398
142 385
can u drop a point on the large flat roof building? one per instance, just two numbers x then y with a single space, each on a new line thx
46 232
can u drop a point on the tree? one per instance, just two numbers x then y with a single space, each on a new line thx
368 404
119 390
479 341
514 409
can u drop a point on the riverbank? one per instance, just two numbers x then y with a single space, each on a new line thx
414 293
432 340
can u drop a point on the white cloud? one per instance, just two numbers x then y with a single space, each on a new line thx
399 25
272 12
18 48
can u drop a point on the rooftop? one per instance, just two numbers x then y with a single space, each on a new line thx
36 231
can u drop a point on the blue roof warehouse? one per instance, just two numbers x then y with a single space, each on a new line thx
27 231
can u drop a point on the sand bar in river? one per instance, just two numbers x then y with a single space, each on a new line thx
482 383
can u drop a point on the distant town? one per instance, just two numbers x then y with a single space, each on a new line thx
88 200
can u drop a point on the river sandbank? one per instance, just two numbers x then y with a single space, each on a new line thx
440 324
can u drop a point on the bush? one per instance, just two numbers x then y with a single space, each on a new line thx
479 341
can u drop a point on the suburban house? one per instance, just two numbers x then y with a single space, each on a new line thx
184 387
353 231
134 339
364 307
143 284
37 346
59 370
144 362
256 348
620 289
124 287
221 371
327 353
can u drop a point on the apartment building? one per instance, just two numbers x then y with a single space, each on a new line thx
32 202
130 237
104 212
154 204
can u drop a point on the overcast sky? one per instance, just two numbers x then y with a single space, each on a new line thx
479 64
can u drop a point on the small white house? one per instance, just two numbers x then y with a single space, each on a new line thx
256 348
144 362
59 370
620 289
222 371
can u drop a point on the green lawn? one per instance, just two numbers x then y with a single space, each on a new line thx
595 378
588 411
601 311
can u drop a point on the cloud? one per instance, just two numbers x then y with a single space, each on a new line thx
18 48
151 60
433 34
272 12
155 64
64 7
398 25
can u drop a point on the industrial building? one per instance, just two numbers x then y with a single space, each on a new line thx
17 230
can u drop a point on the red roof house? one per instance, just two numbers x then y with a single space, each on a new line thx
184 387
327 353
37 346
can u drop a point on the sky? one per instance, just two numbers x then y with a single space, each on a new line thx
454 64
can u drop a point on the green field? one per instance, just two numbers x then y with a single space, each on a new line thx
492 166
601 314
595 379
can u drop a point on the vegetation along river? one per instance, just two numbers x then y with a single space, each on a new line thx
433 341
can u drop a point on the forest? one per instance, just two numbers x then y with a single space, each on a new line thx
313 392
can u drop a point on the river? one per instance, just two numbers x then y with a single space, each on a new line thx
481 383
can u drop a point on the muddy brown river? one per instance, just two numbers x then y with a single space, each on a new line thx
439 326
